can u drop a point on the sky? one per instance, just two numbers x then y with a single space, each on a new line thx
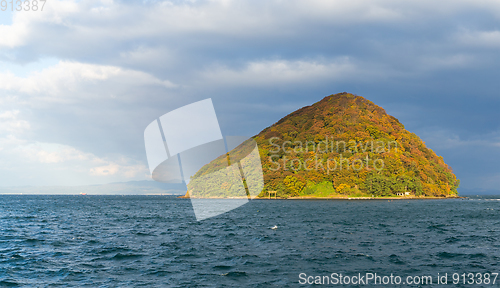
81 80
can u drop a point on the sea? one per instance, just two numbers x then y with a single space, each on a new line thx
155 241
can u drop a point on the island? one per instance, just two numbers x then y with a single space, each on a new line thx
342 147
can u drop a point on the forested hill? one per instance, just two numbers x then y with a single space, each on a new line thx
344 145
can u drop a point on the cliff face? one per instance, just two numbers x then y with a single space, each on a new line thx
346 145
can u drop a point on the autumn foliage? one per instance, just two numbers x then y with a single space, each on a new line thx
356 121
377 156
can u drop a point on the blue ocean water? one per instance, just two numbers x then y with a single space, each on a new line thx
155 241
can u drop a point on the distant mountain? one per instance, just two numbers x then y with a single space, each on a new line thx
344 145
119 188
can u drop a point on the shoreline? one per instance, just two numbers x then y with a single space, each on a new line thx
374 198
335 198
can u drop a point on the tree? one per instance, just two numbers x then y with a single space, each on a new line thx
293 185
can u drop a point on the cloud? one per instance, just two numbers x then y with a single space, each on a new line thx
24 24
71 107
176 40
443 62
445 139
485 39
10 123
72 82
66 162
92 29
281 72
92 20
128 171
53 153
10 141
